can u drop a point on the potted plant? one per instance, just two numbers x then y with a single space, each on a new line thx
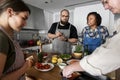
78 48
78 51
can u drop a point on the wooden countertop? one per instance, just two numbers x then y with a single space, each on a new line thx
53 74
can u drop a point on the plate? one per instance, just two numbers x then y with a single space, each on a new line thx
72 61
42 67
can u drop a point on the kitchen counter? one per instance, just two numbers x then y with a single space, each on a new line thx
45 47
54 74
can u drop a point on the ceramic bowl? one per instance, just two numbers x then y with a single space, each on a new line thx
77 55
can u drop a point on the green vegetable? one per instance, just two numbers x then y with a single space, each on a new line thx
40 57
65 56
78 48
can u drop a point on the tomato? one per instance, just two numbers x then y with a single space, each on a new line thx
38 65
45 54
42 66
46 66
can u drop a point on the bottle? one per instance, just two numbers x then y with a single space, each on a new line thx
86 52
40 55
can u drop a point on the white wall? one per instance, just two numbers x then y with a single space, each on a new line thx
80 15
48 18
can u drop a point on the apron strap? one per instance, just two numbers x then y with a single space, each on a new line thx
57 25
69 26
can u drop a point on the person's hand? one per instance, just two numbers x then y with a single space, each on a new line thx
58 34
62 38
29 62
67 71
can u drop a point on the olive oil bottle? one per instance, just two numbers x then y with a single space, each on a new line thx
40 57
40 54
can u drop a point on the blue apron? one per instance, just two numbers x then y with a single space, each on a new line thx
92 43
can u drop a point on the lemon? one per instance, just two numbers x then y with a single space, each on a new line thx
54 61
55 58
38 43
59 60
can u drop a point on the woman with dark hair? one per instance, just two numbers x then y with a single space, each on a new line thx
13 16
94 34
104 59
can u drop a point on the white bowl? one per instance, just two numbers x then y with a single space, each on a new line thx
61 65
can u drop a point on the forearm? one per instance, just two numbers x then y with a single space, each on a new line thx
52 36
72 40
101 61
15 75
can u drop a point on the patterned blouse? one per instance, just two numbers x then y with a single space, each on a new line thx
102 30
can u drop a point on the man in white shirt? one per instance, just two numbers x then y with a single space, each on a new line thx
104 59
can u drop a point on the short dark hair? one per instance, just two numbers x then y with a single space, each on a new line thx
64 10
16 5
97 17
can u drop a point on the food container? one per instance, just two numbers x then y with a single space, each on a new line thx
77 55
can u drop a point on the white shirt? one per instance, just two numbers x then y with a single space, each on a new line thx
105 58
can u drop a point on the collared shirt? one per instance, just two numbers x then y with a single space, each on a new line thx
102 30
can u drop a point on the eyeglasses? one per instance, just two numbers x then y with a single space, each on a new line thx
104 2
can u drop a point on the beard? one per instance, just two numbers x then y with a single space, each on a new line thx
64 22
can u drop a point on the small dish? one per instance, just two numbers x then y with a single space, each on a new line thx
43 69
61 65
